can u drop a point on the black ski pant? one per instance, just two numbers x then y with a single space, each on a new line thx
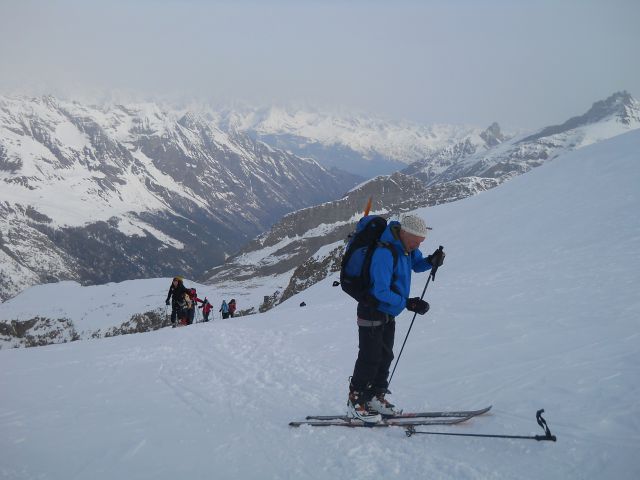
177 313
375 355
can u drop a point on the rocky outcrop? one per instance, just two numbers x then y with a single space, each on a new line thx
40 331
37 332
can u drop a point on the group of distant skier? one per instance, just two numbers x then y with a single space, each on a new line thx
376 271
184 301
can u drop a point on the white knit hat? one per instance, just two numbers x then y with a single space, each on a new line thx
414 225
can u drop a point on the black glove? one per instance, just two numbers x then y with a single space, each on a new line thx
166 301
416 304
436 259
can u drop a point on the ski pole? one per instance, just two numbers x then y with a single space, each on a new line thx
541 421
432 274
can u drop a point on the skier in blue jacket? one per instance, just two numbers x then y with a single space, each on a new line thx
390 285
224 309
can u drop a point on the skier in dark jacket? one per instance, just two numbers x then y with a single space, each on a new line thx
232 307
191 305
390 286
177 291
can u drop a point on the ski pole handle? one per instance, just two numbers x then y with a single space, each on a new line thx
434 268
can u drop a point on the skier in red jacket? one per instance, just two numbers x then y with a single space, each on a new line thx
232 307
191 309
206 309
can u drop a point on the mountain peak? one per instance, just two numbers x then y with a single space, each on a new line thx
620 106
493 135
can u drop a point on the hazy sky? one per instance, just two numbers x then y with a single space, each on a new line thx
523 64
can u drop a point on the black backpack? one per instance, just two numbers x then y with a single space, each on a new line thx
355 278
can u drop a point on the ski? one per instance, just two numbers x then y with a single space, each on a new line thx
392 422
433 414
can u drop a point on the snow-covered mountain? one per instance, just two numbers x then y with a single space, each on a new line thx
430 168
306 245
360 143
115 192
492 155
118 192
535 307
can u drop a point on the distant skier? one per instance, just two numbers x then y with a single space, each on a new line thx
206 308
193 301
232 307
177 293
224 309
390 289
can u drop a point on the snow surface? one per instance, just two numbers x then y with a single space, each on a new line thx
100 307
537 306
96 306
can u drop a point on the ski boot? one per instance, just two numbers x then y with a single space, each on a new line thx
358 409
382 406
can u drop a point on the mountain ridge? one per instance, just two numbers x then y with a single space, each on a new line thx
364 144
118 192
478 163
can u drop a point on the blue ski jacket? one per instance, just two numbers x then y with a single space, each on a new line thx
224 308
391 287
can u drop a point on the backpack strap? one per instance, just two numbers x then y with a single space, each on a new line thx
394 254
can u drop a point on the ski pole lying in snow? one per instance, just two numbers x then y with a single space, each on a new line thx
541 421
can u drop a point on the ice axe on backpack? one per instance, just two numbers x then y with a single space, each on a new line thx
367 209
436 259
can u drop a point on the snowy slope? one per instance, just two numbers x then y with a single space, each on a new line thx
97 311
535 307
479 162
115 192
